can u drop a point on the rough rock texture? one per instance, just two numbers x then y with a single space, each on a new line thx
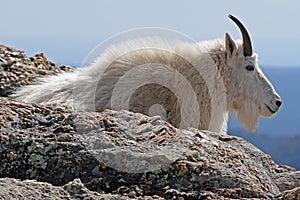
16 69
57 153
30 189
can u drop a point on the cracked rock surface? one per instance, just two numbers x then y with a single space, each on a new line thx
53 152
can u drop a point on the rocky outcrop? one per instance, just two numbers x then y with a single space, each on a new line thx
30 189
17 69
54 152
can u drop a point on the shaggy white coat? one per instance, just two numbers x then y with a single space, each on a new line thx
190 85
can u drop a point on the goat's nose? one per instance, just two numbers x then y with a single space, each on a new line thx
278 103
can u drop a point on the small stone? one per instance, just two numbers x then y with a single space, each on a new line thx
11 156
132 194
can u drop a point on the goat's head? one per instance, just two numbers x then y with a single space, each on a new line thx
249 92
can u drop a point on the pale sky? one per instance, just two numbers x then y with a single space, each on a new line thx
67 30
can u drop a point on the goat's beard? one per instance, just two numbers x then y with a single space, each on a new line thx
248 115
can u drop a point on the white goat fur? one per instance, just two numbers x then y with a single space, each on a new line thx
247 93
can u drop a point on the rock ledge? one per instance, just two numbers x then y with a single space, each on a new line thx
52 152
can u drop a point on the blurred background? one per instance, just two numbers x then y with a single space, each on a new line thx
66 31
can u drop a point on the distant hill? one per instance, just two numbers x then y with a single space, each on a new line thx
287 151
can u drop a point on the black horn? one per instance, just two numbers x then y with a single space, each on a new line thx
246 38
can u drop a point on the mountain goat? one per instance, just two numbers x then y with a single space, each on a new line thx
187 84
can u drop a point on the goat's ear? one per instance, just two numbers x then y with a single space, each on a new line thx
230 46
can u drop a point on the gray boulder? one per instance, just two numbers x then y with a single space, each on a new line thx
53 152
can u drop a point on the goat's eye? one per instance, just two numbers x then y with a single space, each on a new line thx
250 67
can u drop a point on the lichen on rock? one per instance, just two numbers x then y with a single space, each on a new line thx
53 152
